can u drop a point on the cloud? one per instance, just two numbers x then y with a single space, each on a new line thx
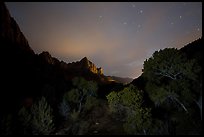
136 63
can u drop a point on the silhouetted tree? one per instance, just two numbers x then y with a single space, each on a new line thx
171 80
82 92
129 103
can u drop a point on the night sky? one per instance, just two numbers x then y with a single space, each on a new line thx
115 36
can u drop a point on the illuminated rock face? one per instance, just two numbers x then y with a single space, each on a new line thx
82 65
85 63
100 71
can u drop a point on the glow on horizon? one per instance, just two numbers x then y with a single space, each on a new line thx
117 36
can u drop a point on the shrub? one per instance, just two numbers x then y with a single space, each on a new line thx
74 115
90 103
25 119
42 122
128 103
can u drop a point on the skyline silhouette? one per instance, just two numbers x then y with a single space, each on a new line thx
117 36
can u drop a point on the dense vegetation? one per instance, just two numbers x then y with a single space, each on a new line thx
169 103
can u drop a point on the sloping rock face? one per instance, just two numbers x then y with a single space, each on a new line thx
48 58
24 74
85 63
18 63
9 29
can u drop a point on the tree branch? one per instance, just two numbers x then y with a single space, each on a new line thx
174 98
199 103
167 74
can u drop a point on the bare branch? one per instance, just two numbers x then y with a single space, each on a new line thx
179 102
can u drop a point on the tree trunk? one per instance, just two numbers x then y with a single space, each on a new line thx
144 131
199 104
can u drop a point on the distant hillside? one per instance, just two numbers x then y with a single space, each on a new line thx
121 80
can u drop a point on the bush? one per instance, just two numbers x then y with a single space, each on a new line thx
74 115
90 103
128 103
25 119
83 96
42 122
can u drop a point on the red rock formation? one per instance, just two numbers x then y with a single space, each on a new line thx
85 63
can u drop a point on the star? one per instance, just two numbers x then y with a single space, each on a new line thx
133 5
125 23
180 17
141 11
139 26
100 17
198 29
172 23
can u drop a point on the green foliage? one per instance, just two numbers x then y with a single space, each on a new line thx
83 95
170 63
77 102
88 87
113 101
173 84
170 71
131 97
42 122
158 94
73 96
90 103
129 102
74 115
139 122
25 119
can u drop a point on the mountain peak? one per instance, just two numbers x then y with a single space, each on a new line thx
48 58
84 59
90 66
10 31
